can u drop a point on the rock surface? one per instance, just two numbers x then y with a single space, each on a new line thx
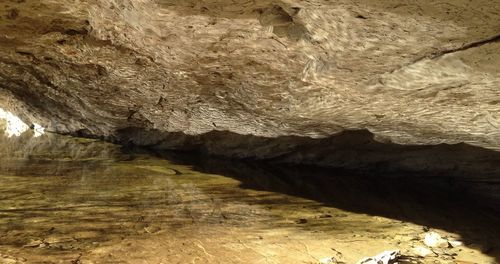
66 199
425 72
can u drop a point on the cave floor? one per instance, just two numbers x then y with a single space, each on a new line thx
66 200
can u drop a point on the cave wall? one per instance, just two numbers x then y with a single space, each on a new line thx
419 73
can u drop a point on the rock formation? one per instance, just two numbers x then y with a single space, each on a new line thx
278 73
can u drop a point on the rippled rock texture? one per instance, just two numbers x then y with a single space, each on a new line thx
425 72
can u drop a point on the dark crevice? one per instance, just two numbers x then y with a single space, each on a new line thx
25 53
467 46
438 54
473 170
74 32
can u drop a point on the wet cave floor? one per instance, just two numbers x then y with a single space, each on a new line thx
70 200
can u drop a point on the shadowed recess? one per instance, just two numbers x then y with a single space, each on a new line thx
64 196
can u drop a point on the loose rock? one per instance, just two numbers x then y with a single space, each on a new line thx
433 239
422 251
386 257
455 243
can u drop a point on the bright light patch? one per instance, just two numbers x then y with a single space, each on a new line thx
38 129
15 126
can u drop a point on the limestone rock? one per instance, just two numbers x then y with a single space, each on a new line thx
386 257
422 251
433 240
242 74
455 243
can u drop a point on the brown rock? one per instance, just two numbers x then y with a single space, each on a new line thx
263 78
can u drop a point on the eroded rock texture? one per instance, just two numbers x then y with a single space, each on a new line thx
419 72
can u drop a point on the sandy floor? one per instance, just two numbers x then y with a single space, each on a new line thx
79 201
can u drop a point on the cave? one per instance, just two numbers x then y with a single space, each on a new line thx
250 131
